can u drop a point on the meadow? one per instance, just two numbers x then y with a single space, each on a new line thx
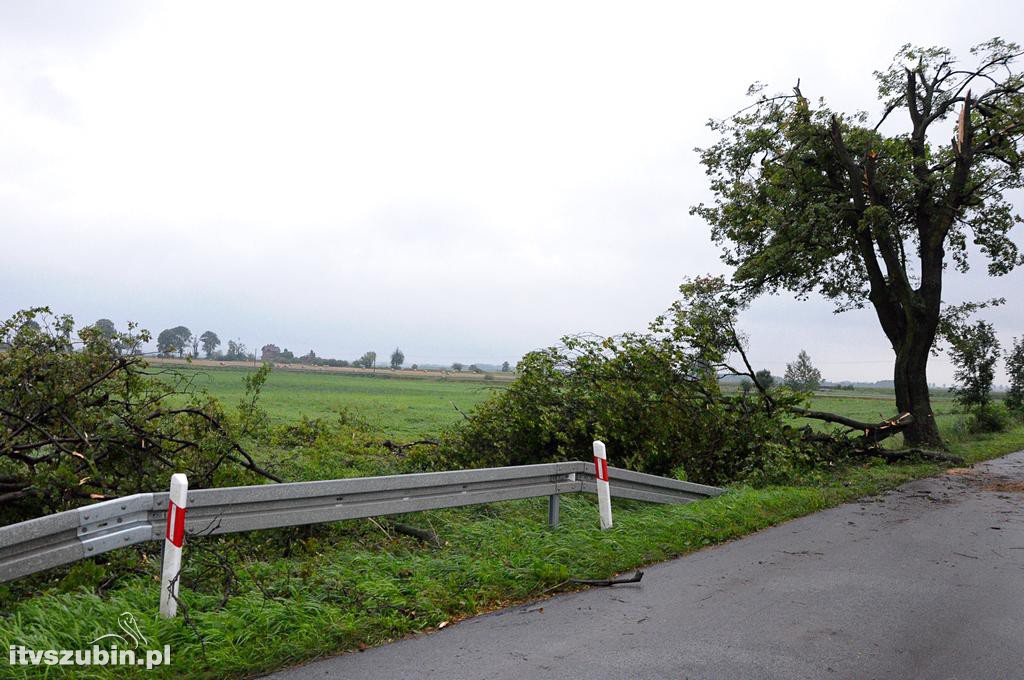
406 408
394 406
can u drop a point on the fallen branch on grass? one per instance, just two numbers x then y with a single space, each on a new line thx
461 412
635 578
873 433
399 449
910 454
425 535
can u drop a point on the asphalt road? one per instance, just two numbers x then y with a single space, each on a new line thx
926 581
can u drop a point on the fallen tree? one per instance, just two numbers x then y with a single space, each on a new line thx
84 418
657 399
871 435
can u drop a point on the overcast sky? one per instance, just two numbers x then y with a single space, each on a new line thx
466 181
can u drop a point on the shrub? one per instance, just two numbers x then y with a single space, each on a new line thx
991 417
654 398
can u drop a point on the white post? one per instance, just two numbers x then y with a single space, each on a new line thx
604 498
173 540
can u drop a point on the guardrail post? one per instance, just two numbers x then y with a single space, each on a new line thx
604 498
553 510
173 540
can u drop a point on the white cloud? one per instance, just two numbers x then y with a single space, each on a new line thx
464 180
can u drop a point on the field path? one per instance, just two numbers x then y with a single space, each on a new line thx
926 581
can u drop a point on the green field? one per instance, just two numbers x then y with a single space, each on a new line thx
413 408
404 409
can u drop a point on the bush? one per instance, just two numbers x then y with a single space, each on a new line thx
991 417
654 398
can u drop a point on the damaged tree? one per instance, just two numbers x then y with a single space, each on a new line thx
657 399
870 436
813 200
81 420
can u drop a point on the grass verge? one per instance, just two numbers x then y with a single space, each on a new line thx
352 584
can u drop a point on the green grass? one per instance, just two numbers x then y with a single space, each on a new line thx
413 408
313 591
351 584
403 409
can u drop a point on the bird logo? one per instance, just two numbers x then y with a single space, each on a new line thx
126 622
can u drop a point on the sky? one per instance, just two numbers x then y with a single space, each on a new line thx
466 181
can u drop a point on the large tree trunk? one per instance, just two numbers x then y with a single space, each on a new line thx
911 378
911 324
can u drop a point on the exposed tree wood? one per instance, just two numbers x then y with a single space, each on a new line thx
901 420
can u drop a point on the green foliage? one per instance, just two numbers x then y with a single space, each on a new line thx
236 351
654 398
80 421
106 327
765 378
801 375
397 358
813 200
326 589
368 360
790 214
974 352
1015 371
210 343
988 417
173 340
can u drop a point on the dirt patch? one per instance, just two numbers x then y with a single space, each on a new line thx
1011 487
987 481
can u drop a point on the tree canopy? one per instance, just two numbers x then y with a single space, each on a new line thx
801 374
813 200
975 352
210 343
1015 371
173 340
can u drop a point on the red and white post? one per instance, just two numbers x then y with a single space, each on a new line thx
173 540
604 498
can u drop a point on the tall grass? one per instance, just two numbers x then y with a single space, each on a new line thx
338 587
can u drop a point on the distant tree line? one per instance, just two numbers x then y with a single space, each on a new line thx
181 342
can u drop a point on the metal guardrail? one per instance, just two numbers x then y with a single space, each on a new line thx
39 544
